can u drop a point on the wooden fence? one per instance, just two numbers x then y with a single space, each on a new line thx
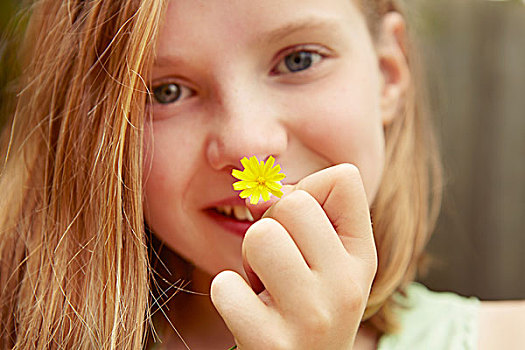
475 51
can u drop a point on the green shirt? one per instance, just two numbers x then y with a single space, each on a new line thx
434 321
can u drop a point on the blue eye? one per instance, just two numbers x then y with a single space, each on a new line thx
298 61
167 93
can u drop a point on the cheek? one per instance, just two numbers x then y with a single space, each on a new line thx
169 159
344 125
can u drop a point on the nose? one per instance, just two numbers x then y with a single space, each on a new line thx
246 122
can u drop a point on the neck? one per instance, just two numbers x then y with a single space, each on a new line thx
195 318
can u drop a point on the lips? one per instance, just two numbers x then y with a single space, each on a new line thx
236 215
237 212
232 215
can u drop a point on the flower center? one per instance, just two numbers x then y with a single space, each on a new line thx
261 181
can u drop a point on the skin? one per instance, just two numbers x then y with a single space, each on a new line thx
326 115
501 324
310 263
238 99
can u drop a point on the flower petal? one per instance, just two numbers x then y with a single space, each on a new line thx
242 185
242 175
274 170
276 193
268 165
254 166
246 163
276 186
265 194
246 193
254 199
276 177
258 179
239 185
251 184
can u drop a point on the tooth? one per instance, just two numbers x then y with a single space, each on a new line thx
242 213
224 209
239 212
249 216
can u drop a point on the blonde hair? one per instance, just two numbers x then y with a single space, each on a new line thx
407 204
74 267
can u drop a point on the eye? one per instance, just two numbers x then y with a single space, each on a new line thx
298 61
170 93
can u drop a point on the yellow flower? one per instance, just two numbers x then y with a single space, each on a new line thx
258 179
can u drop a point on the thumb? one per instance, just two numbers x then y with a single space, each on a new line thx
340 192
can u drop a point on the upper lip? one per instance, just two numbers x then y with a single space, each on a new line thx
236 200
256 210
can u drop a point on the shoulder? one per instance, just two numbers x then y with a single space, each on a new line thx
501 324
434 320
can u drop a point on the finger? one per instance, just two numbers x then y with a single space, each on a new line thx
309 227
274 257
239 306
340 192
257 210
253 279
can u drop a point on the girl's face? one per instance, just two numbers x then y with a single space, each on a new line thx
299 80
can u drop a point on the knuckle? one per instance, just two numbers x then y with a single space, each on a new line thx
280 342
374 263
350 307
319 320
320 324
354 302
369 265
296 198
291 203
348 170
353 296
258 233
348 173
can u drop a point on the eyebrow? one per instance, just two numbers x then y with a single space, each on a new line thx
312 23
168 61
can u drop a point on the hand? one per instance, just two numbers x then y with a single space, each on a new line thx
314 253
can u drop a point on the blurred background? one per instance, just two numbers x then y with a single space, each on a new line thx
474 54
474 57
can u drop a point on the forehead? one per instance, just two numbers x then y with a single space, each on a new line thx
194 22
